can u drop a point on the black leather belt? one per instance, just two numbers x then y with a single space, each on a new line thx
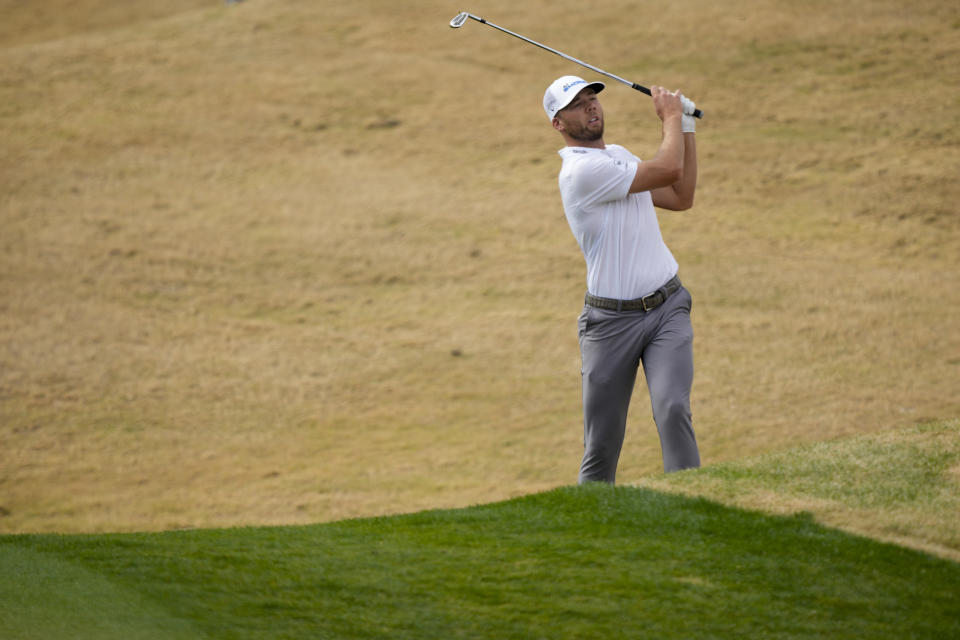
647 303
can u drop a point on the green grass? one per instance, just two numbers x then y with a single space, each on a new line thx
569 563
901 486
46 596
572 562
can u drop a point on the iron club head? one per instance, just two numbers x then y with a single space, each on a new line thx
459 19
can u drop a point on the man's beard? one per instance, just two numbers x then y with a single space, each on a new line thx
585 134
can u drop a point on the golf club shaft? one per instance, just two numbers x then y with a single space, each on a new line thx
697 113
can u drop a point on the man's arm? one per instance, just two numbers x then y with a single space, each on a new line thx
679 195
671 175
667 165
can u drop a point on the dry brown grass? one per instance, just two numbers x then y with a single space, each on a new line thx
288 261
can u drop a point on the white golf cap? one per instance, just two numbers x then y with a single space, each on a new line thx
563 90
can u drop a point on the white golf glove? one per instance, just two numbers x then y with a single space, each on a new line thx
688 124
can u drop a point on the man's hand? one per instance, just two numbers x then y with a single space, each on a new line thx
667 103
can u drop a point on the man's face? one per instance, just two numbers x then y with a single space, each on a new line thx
582 119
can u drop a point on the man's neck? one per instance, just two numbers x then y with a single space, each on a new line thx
590 144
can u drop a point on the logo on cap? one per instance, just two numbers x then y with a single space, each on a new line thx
567 86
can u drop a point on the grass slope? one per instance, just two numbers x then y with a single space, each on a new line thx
576 562
899 486
570 563
283 261
27 23
47 596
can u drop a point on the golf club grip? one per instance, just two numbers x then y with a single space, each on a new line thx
697 113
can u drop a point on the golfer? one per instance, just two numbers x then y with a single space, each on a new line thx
636 310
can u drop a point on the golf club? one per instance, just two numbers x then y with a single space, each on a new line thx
461 18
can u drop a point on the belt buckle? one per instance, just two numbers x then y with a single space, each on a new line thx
652 302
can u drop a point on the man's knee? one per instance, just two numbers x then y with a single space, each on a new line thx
672 410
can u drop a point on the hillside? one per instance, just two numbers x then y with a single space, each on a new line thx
287 262
34 22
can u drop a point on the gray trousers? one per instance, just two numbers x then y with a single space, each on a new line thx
612 346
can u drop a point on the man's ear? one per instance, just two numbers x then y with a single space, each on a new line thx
558 124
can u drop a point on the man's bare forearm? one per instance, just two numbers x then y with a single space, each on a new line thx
687 184
667 165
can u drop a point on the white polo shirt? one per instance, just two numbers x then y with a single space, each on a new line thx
617 231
